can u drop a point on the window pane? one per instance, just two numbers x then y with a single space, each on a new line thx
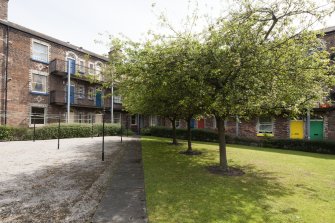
40 52
37 115
39 83
265 128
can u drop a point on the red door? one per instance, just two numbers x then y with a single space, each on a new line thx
201 124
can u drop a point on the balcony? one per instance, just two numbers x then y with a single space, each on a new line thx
61 68
78 100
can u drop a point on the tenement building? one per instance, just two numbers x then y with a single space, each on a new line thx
34 72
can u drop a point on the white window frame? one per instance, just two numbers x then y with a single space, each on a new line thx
263 133
117 99
91 70
153 120
81 68
34 57
89 95
98 72
117 117
36 72
177 123
81 95
30 114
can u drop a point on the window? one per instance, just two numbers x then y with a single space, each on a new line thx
81 117
81 91
91 68
134 119
91 93
117 117
153 120
91 118
82 66
37 116
40 52
177 123
117 99
98 71
39 83
265 125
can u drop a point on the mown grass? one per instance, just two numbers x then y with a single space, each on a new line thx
279 185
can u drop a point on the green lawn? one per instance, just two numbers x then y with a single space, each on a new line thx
279 185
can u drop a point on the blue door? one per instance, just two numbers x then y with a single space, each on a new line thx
71 94
98 99
192 123
72 66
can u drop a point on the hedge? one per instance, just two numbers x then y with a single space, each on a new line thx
66 131
326 147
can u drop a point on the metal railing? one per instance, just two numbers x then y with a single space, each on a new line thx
78 99
60 67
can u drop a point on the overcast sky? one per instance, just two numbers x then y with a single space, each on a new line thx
81 21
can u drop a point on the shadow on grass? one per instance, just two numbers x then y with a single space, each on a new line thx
180 189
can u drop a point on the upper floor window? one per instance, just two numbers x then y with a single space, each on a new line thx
117 99
38 83
40 51
81 91
91 68
82 66
91 93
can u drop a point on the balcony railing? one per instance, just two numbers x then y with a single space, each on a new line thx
78 99
61 67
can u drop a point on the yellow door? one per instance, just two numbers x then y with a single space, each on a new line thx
297 129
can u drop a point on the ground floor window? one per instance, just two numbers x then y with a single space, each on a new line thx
117 117
153 120
265 125
177 123
37 116
134 119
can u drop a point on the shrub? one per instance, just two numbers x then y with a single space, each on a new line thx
5 133
327 147
66 131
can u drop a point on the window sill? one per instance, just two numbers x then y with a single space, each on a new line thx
36 125
265 134
39 93
40 61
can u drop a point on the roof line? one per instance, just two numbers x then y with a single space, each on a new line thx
51 39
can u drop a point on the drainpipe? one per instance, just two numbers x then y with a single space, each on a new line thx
68 91
112 105
6 74
308 123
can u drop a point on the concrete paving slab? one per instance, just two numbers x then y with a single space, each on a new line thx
124 201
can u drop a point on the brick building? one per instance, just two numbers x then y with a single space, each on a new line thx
34 68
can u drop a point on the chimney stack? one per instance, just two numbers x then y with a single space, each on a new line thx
4 10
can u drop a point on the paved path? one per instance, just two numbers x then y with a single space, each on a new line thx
124 201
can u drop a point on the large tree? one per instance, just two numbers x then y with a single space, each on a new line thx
259 61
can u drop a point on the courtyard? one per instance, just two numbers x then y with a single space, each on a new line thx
42 184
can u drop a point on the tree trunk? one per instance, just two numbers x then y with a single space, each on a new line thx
189 136
222 143
174 134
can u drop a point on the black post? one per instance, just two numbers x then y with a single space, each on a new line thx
126 124
34 129
103 137
92 127
121 128
58 131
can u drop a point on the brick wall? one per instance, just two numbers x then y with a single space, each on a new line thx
4 9
20 67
